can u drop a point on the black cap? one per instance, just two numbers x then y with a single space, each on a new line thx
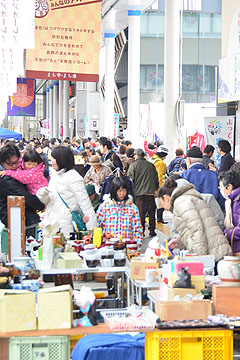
194 152
139 152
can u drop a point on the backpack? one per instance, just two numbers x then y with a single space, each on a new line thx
177 169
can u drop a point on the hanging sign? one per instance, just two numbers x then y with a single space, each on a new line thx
67 40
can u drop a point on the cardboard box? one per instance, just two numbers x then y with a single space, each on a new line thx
183 310
17 310
226 299
69 260
197 280
55 307
207 260
172 292
138 267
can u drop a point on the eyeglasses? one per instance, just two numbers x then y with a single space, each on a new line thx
225 187
11 163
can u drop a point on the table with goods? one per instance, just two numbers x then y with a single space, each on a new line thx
185 308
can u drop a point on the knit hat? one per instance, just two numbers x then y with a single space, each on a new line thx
162 149
194 152
95 160
90 189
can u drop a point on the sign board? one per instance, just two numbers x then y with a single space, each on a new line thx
67 40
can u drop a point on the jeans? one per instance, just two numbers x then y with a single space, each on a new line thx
146 204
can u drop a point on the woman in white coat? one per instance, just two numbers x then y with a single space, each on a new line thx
66 182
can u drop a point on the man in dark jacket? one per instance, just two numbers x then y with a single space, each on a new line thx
224 150
109 157
9 156
145 183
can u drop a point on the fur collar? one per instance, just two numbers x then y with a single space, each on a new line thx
107 199
188 189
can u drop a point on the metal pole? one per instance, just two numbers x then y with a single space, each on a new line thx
55 109
60 107
65 109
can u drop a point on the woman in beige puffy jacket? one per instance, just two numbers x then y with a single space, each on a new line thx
197 228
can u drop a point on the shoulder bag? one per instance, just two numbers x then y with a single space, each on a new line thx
77 218
232 236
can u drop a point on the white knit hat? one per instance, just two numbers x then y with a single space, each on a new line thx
162 149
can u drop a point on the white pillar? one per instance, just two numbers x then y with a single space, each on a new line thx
47 106
66 131
51 108
171 75
60 107
44 101
109 37
134 17
55 110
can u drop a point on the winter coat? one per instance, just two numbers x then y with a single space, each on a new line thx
206 161
114 158
144 177
160 167
71 187
10 186
33 178
176 164
205 181
44 158
198 230
97 177
235 205
126 165
120 218
226 162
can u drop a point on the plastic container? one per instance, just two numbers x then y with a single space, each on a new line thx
91 257
43 347
124 320
189 345
106 262
119 258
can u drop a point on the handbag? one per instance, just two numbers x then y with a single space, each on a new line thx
77 218
237 253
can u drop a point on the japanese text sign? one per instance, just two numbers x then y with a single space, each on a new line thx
67 38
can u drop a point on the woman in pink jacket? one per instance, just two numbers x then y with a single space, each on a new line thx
29 172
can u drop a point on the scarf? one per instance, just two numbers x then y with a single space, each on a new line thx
228 218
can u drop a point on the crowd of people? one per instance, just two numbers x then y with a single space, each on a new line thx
116 187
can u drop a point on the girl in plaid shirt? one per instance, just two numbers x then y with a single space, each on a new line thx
118 214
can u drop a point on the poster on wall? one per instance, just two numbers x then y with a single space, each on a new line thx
67 40
22 103
218 128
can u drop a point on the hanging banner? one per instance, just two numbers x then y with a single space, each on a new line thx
22 103
67 40
218 128
116 125
237 138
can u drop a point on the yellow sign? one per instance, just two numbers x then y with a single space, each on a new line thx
67 40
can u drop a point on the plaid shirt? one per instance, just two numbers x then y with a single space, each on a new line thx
120 218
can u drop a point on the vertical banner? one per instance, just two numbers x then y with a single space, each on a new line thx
116 125
218 128
67 40
22 103
86 123
237 132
